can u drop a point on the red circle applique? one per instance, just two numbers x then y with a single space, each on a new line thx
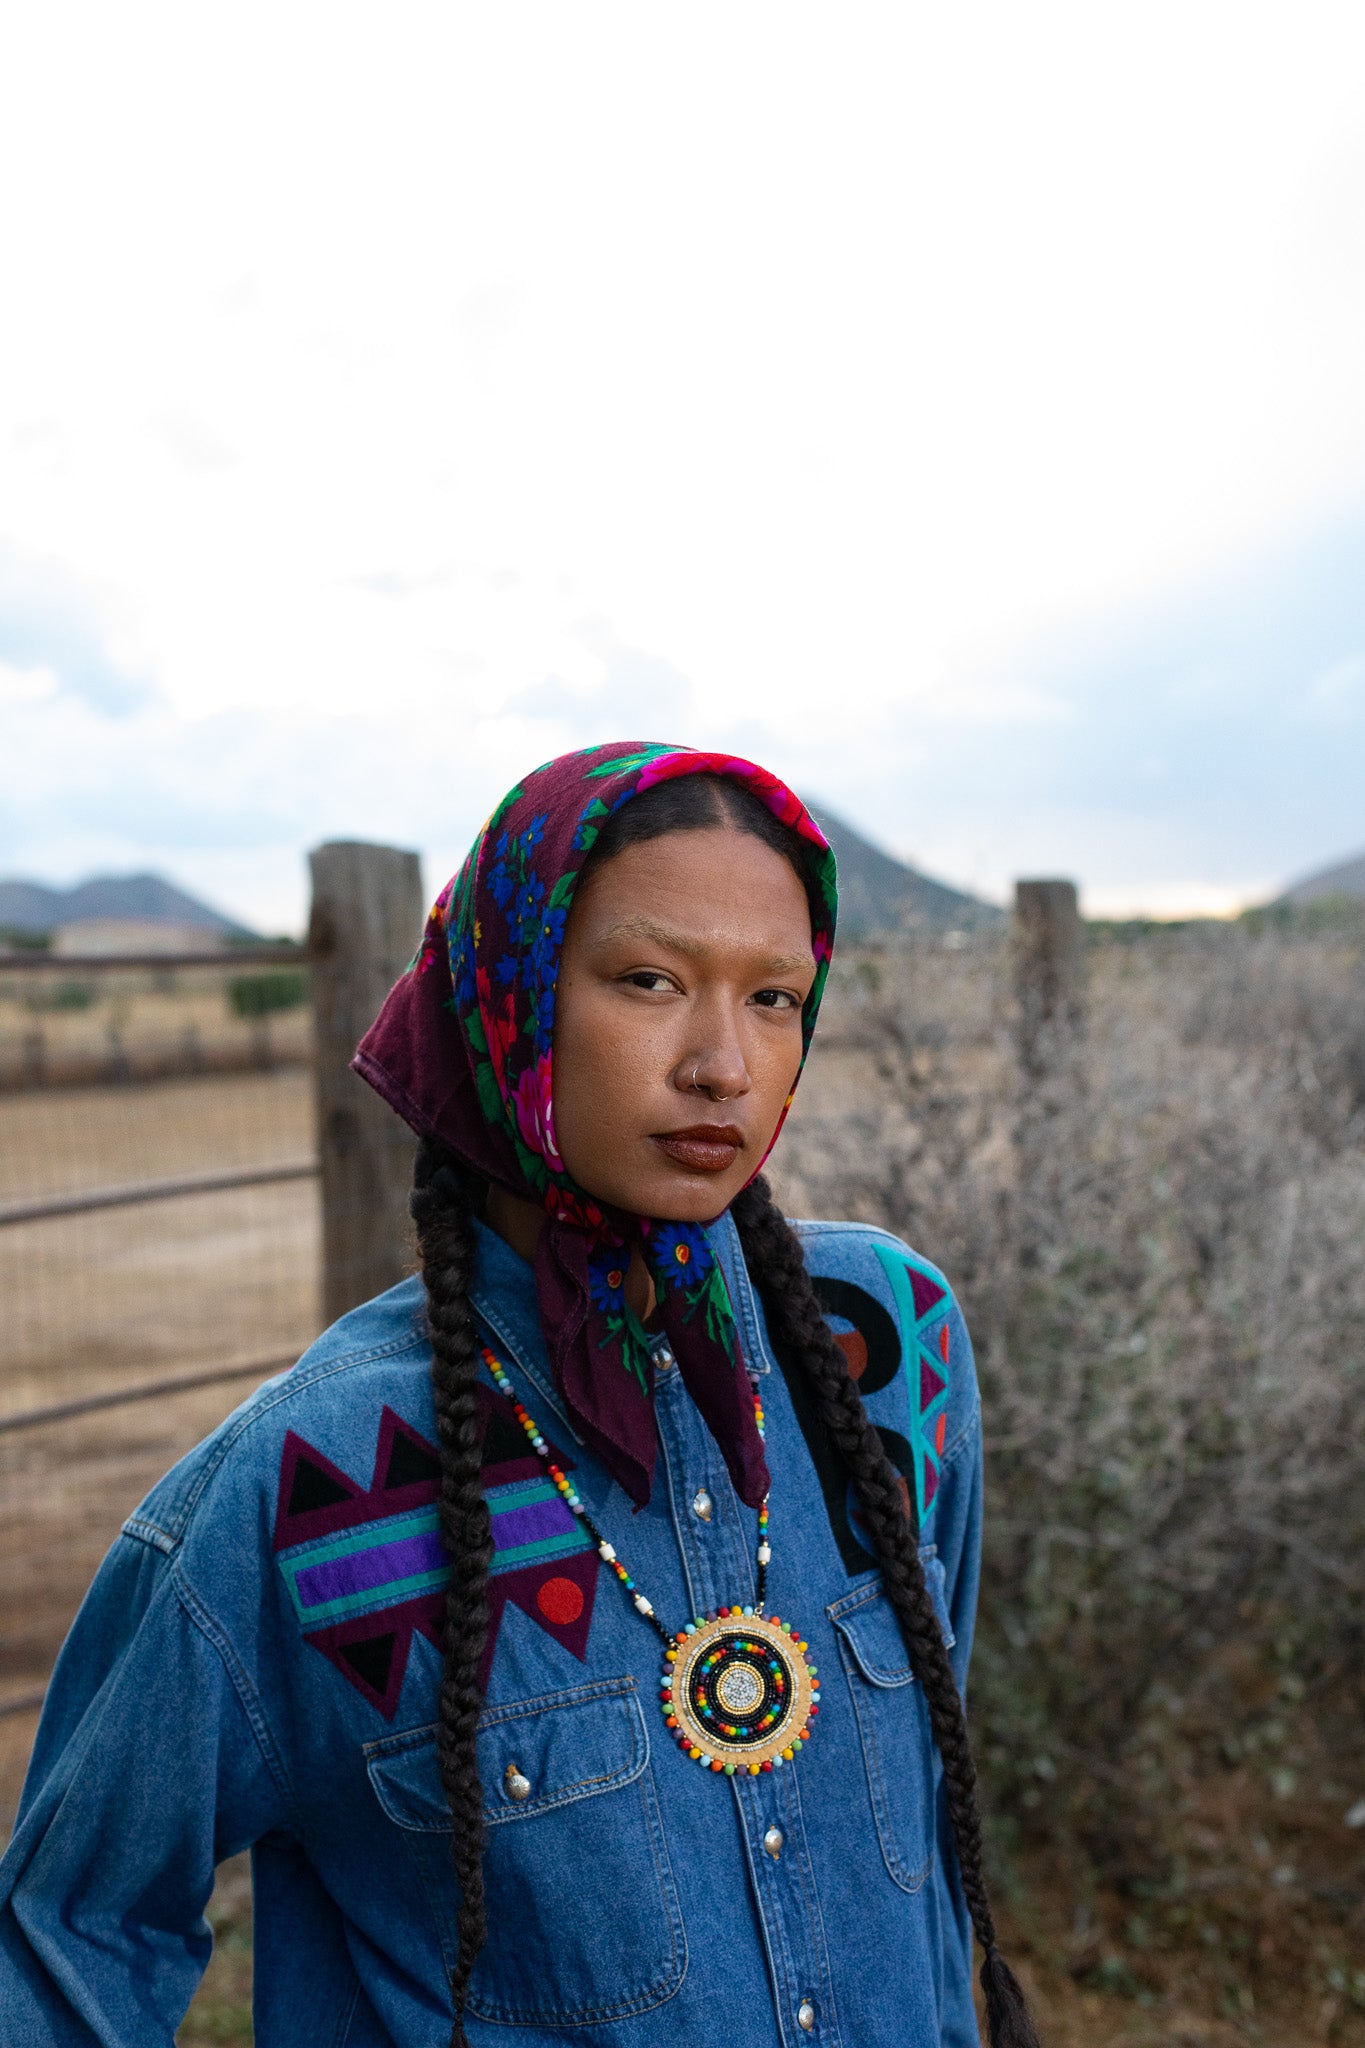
560 1601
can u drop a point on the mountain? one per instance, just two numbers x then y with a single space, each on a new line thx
34 907
879 895
1347 878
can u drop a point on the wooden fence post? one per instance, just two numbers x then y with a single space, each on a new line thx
366 921
1049 992
1049 975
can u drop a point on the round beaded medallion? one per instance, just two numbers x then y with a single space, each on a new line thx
737 1692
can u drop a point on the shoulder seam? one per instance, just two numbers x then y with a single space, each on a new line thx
872 1232
149 1530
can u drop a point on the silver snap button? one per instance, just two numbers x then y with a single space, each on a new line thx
702 1504
772 1842
663 1358
805 2016
517 1787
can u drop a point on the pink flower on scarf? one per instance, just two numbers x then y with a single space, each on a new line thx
534 1108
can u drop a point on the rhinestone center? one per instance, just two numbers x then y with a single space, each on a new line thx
739 1689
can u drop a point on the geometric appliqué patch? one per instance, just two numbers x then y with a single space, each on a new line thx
922 1304
365 1568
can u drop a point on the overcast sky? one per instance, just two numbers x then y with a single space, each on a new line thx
961 410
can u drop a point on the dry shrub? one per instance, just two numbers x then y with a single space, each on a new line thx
1163 1266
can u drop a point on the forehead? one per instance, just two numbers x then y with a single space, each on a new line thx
719 884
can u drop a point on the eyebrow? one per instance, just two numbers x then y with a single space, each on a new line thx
679 942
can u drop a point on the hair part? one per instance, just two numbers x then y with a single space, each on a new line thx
702 803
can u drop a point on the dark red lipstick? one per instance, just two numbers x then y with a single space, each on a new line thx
703 1148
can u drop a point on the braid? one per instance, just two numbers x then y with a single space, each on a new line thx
774 1257
441 1211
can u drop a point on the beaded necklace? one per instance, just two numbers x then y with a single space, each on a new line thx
736 1691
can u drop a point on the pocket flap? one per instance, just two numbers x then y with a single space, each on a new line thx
867 1622
567 1745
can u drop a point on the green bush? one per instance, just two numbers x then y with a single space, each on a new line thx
261 995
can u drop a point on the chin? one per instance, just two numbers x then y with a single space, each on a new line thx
690 1200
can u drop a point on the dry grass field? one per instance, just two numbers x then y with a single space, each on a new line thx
1165 1278
60 1026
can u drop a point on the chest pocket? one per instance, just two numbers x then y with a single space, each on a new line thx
583 1916
899 1754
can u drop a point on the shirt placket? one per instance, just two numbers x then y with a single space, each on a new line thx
717 1541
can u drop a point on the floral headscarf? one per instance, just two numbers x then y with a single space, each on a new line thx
462 1049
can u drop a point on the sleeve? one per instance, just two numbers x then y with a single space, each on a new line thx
957 1534
153 1762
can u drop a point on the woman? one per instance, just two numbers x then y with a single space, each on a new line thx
464 1624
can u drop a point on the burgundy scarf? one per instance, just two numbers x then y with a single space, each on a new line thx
462 1049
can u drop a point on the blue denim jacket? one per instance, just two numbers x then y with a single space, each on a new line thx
255 1666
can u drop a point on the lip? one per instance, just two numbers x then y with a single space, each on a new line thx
703 1148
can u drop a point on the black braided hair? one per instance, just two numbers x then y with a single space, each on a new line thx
796 1322
441 1210
443 1199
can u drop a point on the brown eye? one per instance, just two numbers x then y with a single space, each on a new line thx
777 999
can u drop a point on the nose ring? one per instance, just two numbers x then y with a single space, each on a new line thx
710 1091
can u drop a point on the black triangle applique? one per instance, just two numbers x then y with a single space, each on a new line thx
503 1440
410 1463
371 1660
312 1488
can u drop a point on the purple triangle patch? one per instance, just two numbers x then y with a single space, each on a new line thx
928 1294
931 1380
371 1644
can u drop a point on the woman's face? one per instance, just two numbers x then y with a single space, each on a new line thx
678 1020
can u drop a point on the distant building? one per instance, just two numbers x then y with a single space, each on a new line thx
109 936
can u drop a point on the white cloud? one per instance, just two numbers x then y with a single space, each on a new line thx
26 685
358 361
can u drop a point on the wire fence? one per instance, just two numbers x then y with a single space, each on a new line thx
178 1218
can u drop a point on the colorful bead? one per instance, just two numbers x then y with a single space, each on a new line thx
755 1646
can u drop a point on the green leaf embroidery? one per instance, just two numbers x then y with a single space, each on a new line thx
630 762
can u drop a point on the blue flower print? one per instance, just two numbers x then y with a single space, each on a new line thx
607 1279
530 901
506 970
682 1257
462 971
541 1021
534 833
540 967
500 884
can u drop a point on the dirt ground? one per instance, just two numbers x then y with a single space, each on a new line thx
95 1301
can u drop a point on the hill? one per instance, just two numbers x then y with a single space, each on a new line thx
1347 878
148 899
879 895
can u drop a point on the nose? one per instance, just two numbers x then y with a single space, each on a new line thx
716 1069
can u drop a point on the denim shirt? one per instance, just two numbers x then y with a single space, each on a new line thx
256 1666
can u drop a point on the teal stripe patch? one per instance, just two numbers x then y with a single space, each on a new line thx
369 1536
388 1595
532 1553
520 1494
